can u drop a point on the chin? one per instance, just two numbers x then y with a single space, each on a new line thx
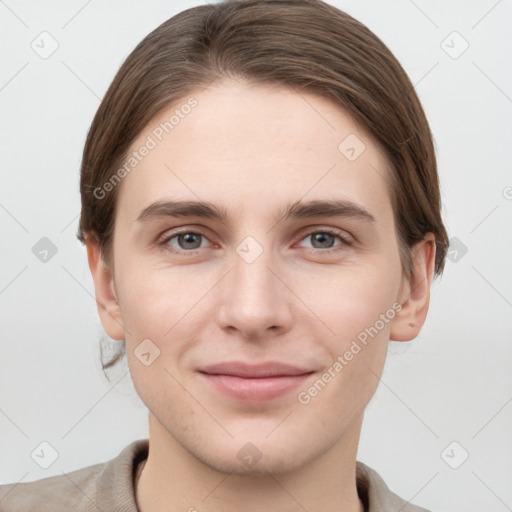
241 456
267 464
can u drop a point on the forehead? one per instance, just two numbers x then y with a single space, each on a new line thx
252 147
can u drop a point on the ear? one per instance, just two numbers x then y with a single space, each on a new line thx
415 292
106 298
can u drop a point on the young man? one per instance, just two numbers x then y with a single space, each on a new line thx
245 231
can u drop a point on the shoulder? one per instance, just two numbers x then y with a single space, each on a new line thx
376 494
71 491
103 486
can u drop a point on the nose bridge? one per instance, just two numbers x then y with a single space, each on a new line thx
252 279
253 299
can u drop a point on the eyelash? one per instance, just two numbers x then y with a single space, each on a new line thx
164 239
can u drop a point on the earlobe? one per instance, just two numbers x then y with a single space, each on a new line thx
106 299
415 292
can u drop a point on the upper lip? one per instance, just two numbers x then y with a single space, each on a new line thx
258 371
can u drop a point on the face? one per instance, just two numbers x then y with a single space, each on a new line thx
297 301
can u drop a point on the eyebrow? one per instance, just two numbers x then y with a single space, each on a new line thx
299 210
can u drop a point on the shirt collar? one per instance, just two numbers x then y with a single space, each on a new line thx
116 490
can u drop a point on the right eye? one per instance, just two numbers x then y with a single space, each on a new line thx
185 242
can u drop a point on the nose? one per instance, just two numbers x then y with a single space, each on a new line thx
254 300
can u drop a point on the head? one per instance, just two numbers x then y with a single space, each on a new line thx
261 110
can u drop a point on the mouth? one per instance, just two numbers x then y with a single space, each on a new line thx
254 383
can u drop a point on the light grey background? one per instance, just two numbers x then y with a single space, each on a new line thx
453 383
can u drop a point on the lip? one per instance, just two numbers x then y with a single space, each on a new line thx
253 371
254 383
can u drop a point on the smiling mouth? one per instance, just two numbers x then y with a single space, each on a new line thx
254 383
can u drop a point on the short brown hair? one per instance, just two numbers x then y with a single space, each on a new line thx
306 45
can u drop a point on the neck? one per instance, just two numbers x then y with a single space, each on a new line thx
172 479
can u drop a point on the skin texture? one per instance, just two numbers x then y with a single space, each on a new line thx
253 150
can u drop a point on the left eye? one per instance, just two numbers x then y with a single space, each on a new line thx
325 239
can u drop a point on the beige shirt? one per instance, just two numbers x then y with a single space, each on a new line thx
109 487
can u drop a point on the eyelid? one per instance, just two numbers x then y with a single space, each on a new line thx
167 235
343 234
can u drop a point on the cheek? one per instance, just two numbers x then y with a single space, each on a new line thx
357 354
358 309
155 314
162 318
349 300
151 302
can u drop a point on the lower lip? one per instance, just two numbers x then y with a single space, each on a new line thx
255 390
